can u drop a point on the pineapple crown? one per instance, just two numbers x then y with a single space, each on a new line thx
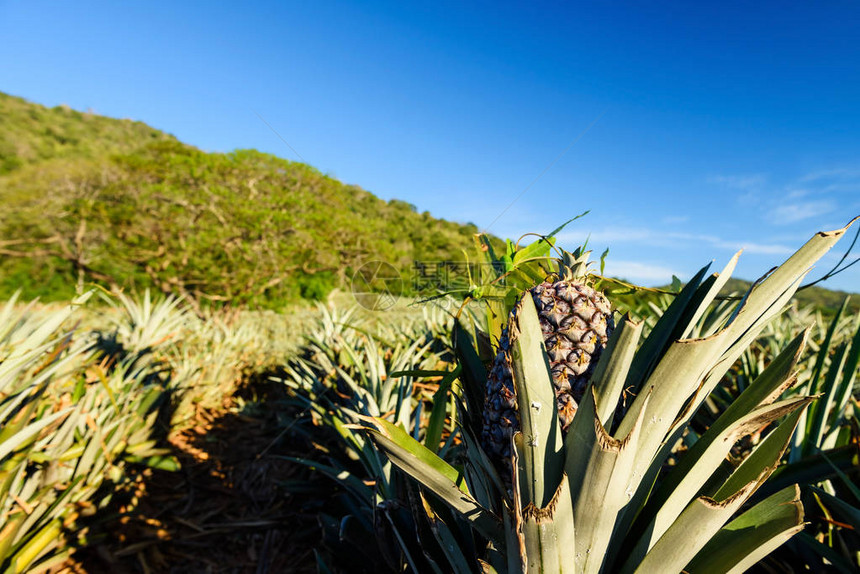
575 265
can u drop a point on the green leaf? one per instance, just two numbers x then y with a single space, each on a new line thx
613 367
813 469
751 536
705 457
849 514
599 468
542 457
834 559
536 250
561 227
825 404
409 445
433 432
826 345
447 541
24 437
433 473
473 372
548 534
160 462
349 480
695 526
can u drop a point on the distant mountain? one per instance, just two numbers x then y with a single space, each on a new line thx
88 198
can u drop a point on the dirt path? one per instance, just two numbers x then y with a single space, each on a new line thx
225 511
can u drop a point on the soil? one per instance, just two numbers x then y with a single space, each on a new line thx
225 511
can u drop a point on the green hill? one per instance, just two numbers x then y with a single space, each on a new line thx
88 198
30 134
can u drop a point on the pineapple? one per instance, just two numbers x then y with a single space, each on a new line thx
576 321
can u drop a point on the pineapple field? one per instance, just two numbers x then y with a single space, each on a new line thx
357 287
546 419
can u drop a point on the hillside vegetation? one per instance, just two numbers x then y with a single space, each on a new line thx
90 199
94 199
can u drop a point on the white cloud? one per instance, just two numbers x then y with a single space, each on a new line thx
852 186
607 236
840 173
792 212
837 180
756 248
672 219
659 238
748 182
808 196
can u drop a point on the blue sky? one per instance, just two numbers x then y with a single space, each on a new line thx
696 128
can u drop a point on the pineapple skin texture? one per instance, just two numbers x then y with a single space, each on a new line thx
576 322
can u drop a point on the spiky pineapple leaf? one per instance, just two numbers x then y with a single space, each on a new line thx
457 561
433 473
707 358
599 469
653 346
708 292
750 408
675 378
751 536
711 450
548 532
484 481
613 367
766 455
695 526
542 458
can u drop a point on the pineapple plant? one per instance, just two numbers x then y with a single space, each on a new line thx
71 422
629 490
352 367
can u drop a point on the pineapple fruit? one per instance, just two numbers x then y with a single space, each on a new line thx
576 322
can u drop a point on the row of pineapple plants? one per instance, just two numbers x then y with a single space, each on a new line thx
353 366
824 453
577 445
74 414
88 394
